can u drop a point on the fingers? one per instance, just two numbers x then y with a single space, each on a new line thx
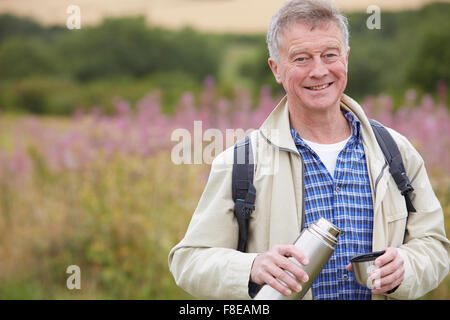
388 263
387 283
293 251
389 272
388 256
284 283
279 268
389 268
291 264
274 283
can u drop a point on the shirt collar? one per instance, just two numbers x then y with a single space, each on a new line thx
354 122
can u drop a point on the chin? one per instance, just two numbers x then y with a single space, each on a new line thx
321 102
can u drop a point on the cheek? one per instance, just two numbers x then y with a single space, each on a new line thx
340 69
289 79
340 73
295 77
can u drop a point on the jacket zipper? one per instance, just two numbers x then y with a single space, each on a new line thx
379 176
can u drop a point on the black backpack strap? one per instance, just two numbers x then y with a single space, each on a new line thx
243 190
395 162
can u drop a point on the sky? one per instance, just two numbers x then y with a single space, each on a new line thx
244 16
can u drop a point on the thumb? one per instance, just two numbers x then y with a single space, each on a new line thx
348 267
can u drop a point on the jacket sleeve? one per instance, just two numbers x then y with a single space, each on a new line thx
206 263
426 248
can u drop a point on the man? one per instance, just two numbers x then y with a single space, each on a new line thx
323 160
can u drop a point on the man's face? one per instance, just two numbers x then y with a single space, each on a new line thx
312 66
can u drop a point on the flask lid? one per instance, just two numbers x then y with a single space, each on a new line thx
328 227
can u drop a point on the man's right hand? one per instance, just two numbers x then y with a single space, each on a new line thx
270 268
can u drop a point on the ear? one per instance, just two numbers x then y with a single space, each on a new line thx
274 67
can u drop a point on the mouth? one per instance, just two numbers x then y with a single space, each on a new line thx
320 87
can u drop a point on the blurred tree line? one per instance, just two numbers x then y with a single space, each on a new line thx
55 70
412 49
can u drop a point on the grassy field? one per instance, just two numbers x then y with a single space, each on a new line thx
116 220
67 197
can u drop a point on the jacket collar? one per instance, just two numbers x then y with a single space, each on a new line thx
352 120
369 140
276 128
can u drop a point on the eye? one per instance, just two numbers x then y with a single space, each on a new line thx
302 60
330 57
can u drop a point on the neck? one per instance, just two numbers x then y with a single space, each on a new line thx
323 126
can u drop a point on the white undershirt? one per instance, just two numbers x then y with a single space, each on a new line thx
328 153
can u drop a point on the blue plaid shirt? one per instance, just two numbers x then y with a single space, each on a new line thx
345 200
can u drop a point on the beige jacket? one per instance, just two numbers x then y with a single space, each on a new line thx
206 264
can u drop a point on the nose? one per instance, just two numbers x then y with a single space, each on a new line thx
318 68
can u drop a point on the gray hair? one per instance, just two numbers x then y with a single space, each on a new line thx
310 12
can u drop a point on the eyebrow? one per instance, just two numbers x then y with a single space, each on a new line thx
306 51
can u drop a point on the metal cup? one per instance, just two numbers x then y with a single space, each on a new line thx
363 265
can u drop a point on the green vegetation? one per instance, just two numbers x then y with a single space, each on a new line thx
114 214
117 221
410 50
55 70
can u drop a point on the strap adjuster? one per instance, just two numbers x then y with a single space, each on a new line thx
245 208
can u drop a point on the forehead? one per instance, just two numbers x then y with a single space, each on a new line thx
299 35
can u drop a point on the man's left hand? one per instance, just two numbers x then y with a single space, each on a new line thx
389 273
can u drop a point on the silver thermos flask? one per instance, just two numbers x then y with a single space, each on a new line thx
317 242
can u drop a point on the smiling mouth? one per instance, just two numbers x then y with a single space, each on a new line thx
320 87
